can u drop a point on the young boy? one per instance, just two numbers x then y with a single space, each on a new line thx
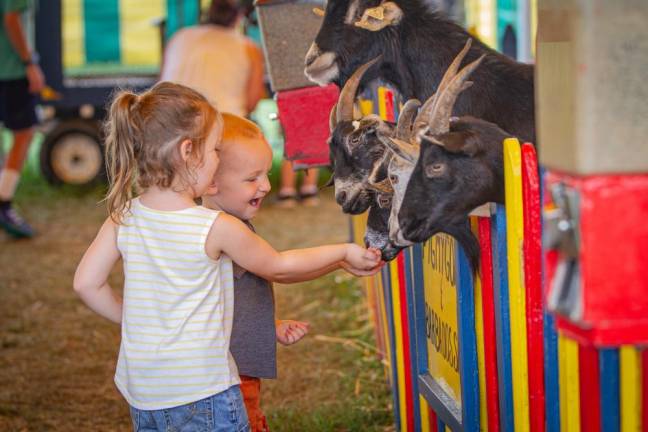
241 183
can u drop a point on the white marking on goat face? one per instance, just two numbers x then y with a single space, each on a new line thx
399 172
375 239
321 67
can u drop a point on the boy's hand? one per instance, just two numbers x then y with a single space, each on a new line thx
360 258
290 332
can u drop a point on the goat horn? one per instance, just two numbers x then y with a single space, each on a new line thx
383 186
406 118
344 110
403 149
332 119
421 121
440 116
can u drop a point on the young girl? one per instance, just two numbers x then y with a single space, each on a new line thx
174 365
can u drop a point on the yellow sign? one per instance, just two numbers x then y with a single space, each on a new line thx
441 317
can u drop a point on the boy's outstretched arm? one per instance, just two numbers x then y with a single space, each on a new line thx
230 236
90 279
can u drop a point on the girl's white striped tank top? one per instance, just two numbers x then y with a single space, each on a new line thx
178 305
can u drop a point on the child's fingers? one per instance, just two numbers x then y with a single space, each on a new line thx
301 325
290 338
300 331
293 323
372 254
375 251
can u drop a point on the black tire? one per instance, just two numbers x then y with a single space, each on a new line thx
72 153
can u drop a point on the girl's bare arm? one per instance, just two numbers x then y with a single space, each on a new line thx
90 279
230 236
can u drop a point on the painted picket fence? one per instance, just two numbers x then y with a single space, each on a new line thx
478 352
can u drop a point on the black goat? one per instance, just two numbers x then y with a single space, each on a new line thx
456 172
456 185
417 45
355 148
376 234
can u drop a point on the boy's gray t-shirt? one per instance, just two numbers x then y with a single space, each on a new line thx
254 340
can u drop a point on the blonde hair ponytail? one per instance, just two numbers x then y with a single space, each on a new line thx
143 134
122 136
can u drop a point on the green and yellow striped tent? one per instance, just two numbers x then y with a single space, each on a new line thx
120 36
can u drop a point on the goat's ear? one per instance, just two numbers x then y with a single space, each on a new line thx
379 17
466 142
378 177
402 149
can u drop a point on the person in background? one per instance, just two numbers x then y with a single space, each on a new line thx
20 79
216 60
287 196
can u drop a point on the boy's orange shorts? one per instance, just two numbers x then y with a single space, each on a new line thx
251 390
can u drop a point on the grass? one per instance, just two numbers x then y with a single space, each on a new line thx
348 379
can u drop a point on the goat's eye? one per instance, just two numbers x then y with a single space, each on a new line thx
355 139
435 169
393 179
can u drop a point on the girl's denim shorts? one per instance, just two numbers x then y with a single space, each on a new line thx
223 412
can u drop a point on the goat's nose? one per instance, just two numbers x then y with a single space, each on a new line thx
341 197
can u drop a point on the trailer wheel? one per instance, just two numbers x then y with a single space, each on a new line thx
72 153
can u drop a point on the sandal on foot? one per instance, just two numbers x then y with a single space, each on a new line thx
310 199
286 200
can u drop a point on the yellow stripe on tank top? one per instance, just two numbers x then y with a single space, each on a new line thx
72 33
517 294
398 339
140 39
630 388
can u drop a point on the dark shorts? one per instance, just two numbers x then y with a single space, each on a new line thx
17 105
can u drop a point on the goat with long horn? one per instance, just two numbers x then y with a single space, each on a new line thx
406 147
355 147
458 167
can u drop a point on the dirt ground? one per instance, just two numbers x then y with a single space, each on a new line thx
57 357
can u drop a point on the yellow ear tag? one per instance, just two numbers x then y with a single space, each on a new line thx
377 12
318 11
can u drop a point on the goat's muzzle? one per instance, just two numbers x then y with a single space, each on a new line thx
413 229
390 252
341 198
